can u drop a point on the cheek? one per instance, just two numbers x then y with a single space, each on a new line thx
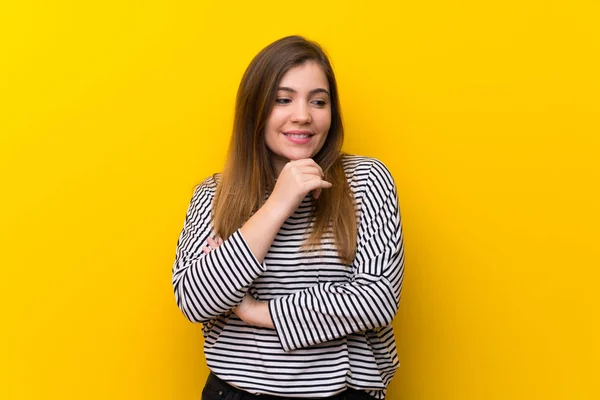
276 119
324 122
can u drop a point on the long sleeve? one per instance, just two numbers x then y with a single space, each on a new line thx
208 285
331 310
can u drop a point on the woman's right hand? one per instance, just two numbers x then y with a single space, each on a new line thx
296 180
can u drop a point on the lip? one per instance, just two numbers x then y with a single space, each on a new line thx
299 140
298 132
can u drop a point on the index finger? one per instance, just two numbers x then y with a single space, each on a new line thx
309 162
316 164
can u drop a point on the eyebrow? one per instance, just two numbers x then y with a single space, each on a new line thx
317 90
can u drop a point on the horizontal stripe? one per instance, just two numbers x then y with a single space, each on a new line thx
332 321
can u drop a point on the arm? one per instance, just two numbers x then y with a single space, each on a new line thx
328 311
207 285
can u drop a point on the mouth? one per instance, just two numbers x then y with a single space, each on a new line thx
298 134
298 137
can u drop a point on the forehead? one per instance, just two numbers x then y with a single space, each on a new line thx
308 76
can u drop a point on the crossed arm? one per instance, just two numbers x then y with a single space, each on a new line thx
210 280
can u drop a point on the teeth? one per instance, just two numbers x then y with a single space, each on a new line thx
298 136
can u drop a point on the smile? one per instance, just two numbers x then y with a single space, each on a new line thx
298 137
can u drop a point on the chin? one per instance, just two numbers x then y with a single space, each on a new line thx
299 155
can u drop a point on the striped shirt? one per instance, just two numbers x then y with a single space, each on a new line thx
332 320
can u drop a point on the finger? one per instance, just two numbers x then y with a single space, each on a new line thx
206 250
212 243
318 182
318 166
320 169
219 241
311 170
315 184
306 162
313 163
316 193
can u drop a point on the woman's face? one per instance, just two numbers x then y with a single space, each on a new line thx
299 122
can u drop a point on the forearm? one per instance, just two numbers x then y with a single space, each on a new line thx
296 180
260 230
329 311
214 283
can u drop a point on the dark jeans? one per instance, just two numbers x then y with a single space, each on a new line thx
217 389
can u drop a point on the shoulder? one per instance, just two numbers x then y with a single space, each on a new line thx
206 189
366 171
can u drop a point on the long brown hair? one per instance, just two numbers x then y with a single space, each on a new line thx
248 172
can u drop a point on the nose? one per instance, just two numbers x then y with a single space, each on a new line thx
301 114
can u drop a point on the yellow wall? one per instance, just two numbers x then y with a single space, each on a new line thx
487 114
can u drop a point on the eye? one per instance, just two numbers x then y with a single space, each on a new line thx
282 100
319 103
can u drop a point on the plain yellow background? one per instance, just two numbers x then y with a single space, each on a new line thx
486 112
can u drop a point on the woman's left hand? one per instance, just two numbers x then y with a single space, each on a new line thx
212 244
254 312
246 308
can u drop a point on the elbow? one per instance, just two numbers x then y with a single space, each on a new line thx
193 319
191 313
389 308
391 315
386 317
188 304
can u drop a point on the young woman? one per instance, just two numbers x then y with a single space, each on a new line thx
292 258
